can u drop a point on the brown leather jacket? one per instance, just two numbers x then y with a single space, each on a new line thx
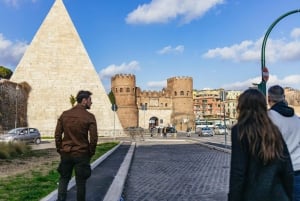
72 132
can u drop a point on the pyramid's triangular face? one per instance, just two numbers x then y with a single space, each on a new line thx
56 65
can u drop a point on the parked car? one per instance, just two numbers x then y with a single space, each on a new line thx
23 134
171 130
206 131
221 130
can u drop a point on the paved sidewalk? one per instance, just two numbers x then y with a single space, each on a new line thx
102 176
177 171
104 171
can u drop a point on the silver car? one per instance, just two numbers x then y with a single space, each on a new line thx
23 134
206 131
220 130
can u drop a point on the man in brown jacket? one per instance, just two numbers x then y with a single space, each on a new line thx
76 140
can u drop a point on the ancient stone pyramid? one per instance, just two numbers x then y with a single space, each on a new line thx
56 66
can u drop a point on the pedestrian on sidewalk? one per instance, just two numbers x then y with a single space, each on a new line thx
188 132
289 124
76 140
152 131
261 168
164 132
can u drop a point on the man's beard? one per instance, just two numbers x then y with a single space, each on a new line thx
87 107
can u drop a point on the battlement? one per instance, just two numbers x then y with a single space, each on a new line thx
149 93
123 76
180 78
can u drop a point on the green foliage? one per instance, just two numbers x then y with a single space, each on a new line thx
5 72
13 149
102 149
111 97
72 100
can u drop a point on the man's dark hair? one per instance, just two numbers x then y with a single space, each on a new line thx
276 93
82 94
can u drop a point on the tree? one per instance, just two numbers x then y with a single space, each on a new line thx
72 100
5 72
111 97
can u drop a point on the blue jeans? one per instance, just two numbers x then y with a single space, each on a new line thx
297 187
81 165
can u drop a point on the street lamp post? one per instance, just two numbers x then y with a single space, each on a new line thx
262 85
114 108
223 99
225 134
16 119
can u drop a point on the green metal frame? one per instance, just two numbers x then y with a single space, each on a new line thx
262 85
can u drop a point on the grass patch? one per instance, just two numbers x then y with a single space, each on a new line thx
38 183
13 149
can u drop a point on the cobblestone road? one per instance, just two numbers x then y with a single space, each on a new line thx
177 171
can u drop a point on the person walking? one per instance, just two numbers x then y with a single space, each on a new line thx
289 125
261 168
164 132
76 139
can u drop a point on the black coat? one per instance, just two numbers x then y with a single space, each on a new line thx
251 180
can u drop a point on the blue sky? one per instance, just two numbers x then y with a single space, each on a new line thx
217 42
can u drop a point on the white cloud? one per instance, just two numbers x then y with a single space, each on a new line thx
295 33
288 81
275 50
162 11
113 69
11 52
242 85
157 84
11 2
169 50
245 51
16 3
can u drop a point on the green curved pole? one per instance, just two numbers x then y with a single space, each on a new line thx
262 85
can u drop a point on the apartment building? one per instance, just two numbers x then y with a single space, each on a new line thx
210 104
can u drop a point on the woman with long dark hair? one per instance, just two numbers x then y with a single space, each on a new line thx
261 168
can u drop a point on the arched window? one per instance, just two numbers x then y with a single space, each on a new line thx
116 90
181 93
121 90
175 93
127 89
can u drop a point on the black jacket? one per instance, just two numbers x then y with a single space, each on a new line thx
283 109
251 180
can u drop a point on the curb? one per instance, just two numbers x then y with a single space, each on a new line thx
115 190
53 195
212 146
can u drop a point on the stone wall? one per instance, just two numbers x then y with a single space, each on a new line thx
13 104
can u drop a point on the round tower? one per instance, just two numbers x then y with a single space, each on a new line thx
123 87
181 90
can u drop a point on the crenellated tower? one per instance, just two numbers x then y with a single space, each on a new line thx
123 87
181 90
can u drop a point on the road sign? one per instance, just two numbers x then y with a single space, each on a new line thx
114 107
265 74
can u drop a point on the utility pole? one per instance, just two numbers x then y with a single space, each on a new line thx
16 119
223 99
114 108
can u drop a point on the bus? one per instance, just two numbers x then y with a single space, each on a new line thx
204 123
